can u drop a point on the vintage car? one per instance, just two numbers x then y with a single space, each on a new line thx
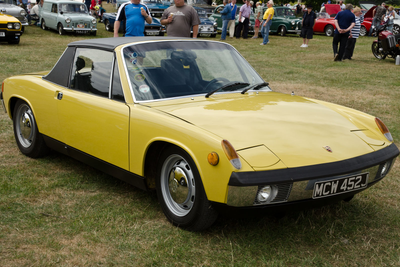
194 121
396 27
67 16
201 4
207 27
156 7
325 22
155 28
10 7
10 29
284 20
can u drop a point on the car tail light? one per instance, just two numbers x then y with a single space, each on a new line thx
231 154
385 131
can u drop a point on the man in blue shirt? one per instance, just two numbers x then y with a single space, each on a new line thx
134 15
344 22
226 15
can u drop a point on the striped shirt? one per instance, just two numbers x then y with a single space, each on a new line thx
355 31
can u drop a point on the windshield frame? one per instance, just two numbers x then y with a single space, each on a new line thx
125 67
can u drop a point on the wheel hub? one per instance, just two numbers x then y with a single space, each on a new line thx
25 126
178 185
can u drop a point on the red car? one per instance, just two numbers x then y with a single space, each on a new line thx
396 27
326 21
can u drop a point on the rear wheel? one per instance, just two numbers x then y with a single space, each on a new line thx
108 26
27 136
181 193
363 30
60 29
376 51
282 30
43 24
329 30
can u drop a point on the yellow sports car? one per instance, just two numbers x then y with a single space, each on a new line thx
194 121
10 28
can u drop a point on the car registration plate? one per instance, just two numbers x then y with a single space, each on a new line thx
2 34
152 33
340 186
205 34
81 31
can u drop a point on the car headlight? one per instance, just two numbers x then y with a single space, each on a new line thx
215 23
17 26
293 23
94 21
23 13
68 20
267 193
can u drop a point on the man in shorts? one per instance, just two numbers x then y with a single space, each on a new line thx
258 13
307 25
180 18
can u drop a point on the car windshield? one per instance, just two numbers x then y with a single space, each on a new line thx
202 13
196 2
72 8
169 69
323 15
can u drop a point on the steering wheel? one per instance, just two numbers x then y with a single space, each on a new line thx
218 79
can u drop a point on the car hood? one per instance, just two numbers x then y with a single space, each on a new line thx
206 21
294 130
332 9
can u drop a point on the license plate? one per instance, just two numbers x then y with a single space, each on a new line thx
2 34
151 33
80 26
205 34
340 186
81 31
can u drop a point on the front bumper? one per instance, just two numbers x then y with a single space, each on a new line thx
80 30
294 31
297 184
9 35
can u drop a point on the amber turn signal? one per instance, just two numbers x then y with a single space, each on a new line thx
213 158
231 154
384 130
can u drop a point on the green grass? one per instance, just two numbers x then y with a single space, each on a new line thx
56 211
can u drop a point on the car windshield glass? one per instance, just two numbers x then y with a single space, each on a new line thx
196 2
169 69
323 15
72 8
202 13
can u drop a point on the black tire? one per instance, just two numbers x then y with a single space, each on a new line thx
181 193
377 53
14 41
282 30
329 30
30 142
363 31
43 24
213 35
93 33
60 29
396 29
107 25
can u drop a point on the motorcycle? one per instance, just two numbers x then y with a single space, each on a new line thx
387 44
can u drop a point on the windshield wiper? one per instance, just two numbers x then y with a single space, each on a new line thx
255 87
228 85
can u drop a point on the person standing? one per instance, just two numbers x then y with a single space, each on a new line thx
389 17
267 21
342 5
226 14
307 25
133 14
259 11
344 22
355 32
232 24
244 20
378 13
180 18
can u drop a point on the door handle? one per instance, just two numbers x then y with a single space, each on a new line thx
59 95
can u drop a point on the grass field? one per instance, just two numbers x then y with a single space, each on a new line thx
55 211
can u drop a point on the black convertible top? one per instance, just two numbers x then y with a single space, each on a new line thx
112 43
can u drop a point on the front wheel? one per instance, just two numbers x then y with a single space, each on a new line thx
93 33
396 29
329 30
60 29
376 51
363 30
181 193
27 136
282 30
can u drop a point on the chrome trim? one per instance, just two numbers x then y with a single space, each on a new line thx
80 29
176 40
242 196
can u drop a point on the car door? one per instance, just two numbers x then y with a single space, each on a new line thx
51 20
92 111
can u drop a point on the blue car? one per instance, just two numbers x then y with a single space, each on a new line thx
156 7
153 29
207 27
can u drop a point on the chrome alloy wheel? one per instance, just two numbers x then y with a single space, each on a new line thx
177 185
25 126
